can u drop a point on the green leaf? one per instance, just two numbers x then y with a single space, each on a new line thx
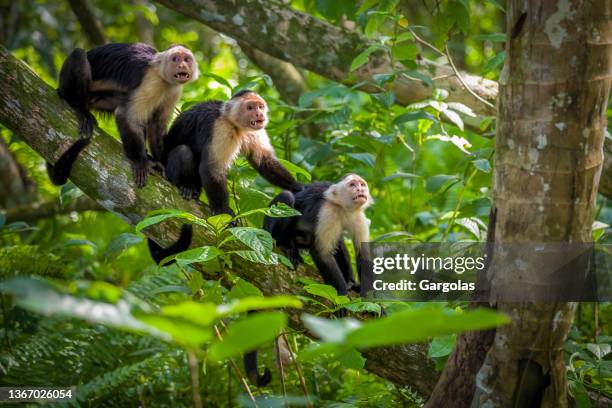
461 142
327 292
68 193
386 99
494 37
436 182
395 235
413 326
119 244
362 58
405 50
413 116
219 221
351 358
333 331
366 158
255 238
400 175
195 255
247 334
295 169
453 117
258 257
158 216
482 165
414 74
494 62
461 108
39 296
257 303
217 78
243 289
441 346
361 307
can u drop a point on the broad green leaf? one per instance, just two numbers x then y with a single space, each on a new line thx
278 210
362 58
248 333
470 225
461 142
257 257
243 289
361 307
494 62
482 165
494 37
41 297
395 235
195 255
178 329
441 346
217 78
255 238
219 221
294 169
413 326
351 358
119 244
327 292
158 216
414 74
171 289
333 331
366 158
68 193
436 182
257 303
405 50
413 116
461 108
453 117
386 99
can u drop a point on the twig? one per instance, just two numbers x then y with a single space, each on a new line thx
195 379
281 368
243 380
452 64
298 368
460 78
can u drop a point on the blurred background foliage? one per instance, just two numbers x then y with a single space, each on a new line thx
429 175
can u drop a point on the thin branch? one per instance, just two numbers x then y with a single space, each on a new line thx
195 379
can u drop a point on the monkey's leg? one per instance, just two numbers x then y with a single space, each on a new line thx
329 270
344 263
215 186
181 170
155 133
133 146
273 171
74 82
75 77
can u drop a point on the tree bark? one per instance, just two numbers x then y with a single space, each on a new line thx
16 187
322 48
32 109
35 211
554 93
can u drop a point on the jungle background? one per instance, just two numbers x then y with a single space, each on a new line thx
374 87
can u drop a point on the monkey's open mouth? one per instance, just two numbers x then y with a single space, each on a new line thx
361 196
257 123
182 76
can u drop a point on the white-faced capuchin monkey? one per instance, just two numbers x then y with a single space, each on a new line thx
137 84
204 141
201 147
327 211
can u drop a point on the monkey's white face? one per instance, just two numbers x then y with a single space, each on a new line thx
356 191
253 113
178 65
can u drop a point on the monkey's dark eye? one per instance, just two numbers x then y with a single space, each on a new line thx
175 59
249 107
187 59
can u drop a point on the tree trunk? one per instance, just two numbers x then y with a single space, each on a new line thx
32 109
554 92
16 188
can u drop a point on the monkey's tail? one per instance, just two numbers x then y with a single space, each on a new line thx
158 253
60 171
250 366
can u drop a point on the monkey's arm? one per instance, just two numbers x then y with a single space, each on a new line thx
344 263
273 171
364 269
215 186
133 146
156 131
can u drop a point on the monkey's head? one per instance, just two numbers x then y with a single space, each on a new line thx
247 110
351 192
176 65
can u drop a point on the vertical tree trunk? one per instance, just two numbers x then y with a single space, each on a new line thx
554 91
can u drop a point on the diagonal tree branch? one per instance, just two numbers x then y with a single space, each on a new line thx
327 50
32 110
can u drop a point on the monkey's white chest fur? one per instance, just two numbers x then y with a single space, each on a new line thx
333 220
155 93
227 142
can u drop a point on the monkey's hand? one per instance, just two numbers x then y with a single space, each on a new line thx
189 193
158 167
141 170
87 121
293 254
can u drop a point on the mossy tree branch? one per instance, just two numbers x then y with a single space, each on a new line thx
32 110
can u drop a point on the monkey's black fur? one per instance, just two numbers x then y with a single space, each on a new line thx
158 253
123 66
188 163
